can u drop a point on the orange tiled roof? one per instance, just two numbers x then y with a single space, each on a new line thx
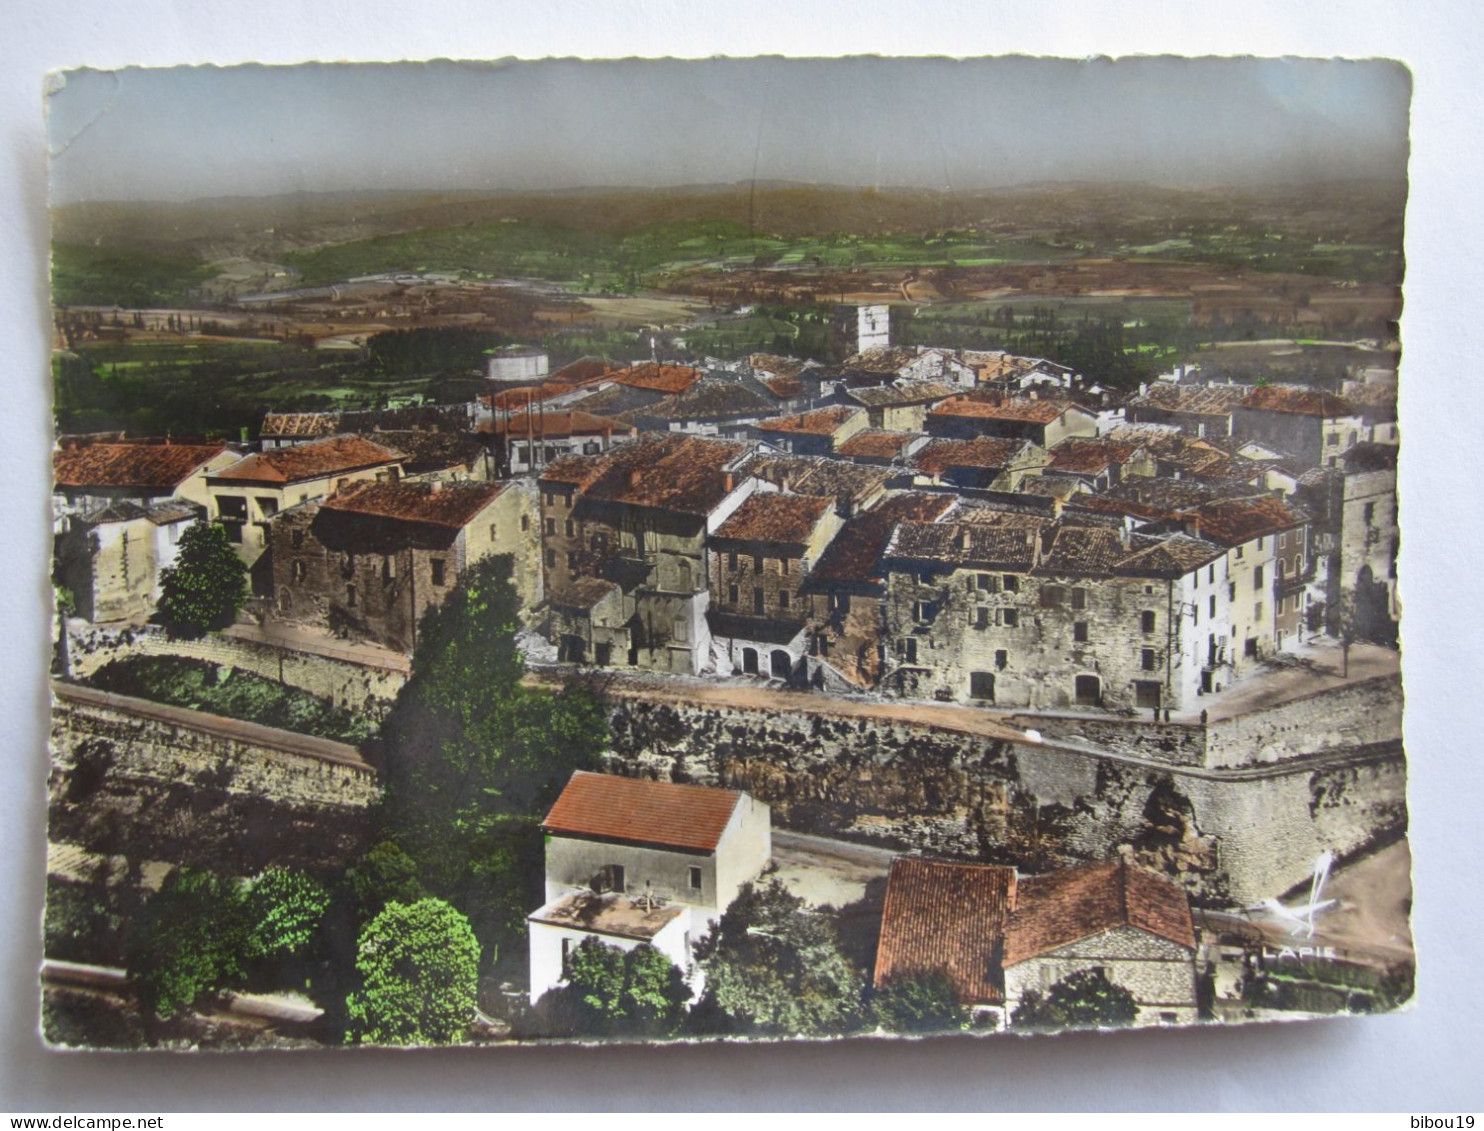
874 443
986 452
555 423
820 422
1024 411
1299 400
771 517
658 378
453 505
1062 907
314 460
948 918
690 818
149 466
669 470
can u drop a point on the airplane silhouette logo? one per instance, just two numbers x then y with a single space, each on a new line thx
1300 918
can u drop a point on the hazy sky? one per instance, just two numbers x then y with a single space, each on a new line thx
192 132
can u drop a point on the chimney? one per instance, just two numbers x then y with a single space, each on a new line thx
731 482
1123 536
962 540
435 486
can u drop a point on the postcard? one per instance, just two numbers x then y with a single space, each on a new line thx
663 550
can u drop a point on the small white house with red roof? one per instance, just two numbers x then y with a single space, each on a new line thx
631 861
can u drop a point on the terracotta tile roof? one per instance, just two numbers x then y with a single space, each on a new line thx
1060 908
1172 556
1198 400
285 424
1297 399
658 378
784 388
152 467
583 593
1090 550
883 359
820 422
777 518
854 556
666 471
1089 457
963 543
581 371
875 443
987 452
610 914
948 918
690 818
431 451
525 395
1021 411
451 505
776 365
555 424
710 398
315 460
914 392
851 484
1241 520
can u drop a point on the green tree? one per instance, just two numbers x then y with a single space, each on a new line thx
1084 1000
613 992
920 1003
206 587
419 968
474 758
383 875
284 909
774 967
191 942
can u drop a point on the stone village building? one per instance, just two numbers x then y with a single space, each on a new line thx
631 862
760 558
1018 610
638 517
371 560
119 510
247 494
996 935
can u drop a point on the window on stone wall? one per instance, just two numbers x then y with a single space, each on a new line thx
1257 577
981 617
525 523
909 650
550 559
571 528
297 539
1052 596
757 600
388 569
985 582
1001 658
732 560
350 596
1146 621
1148 659
783 598
436 565
1010 618
1079 632
299 571
1079 599
731 594
757 563
695 878
1011 582
571 560
551 527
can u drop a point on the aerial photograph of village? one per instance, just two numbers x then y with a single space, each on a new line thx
736 549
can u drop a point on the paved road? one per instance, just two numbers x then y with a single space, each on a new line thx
822 870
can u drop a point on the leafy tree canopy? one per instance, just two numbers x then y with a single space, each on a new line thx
284 909
419 968
920 1003
191 942
612 992
206 586
1083 1000
474 757
774 967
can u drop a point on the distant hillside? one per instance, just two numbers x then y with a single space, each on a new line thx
269 227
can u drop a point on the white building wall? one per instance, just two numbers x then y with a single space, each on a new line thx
547 943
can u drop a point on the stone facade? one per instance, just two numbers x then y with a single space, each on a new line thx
1226 835
1160 974
152 782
